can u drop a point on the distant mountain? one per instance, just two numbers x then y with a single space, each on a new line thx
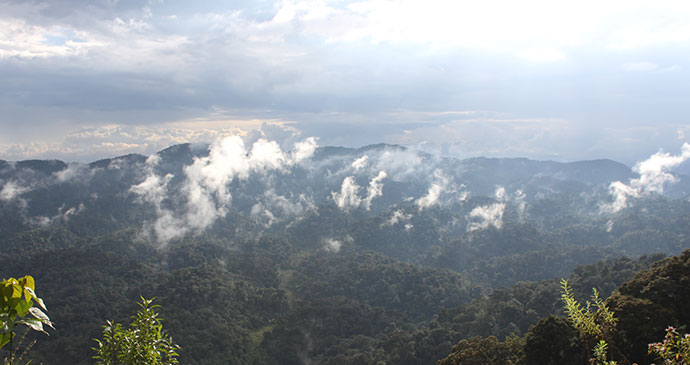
246 192
268 187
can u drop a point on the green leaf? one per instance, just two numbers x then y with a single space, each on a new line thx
16 290
28 282
23 308
5 338
6 290
14 304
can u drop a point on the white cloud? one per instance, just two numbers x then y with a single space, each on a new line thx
167 227
207 180
154 190
431 197
484 216
208 177
397 217
488 215
539 25
461 24
646 25
375 189
434 192
273 207
62 216
332 245
360 163
21 40
500 193
654 175
519 197
400 164
347 198
12 190
75 172
304 149
654 170
620 192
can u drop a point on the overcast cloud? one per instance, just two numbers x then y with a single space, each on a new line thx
88 79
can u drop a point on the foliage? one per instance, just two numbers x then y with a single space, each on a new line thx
374 279
674 349
480 351
514 309
646 305
535 265
593 324
144 342
17 297
553 340
268 291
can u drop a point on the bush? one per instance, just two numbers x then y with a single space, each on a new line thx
143 343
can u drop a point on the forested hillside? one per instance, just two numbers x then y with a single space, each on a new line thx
342 256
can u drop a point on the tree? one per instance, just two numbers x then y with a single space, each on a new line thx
649 303
143 343
16 303
486 350
597 325
554 341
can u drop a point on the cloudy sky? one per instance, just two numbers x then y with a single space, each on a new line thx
81 80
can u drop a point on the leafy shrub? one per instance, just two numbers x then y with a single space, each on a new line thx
674 349
16 303
598 325
143 343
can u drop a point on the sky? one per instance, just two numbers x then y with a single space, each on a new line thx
82 80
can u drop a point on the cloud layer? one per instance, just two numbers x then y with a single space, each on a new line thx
457 78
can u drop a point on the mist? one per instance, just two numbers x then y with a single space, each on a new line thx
272 186
654 175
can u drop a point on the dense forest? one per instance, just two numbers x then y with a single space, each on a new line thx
377 255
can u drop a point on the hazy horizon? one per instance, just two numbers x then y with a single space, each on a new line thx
251 139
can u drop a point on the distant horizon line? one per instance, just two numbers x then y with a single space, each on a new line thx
363 147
